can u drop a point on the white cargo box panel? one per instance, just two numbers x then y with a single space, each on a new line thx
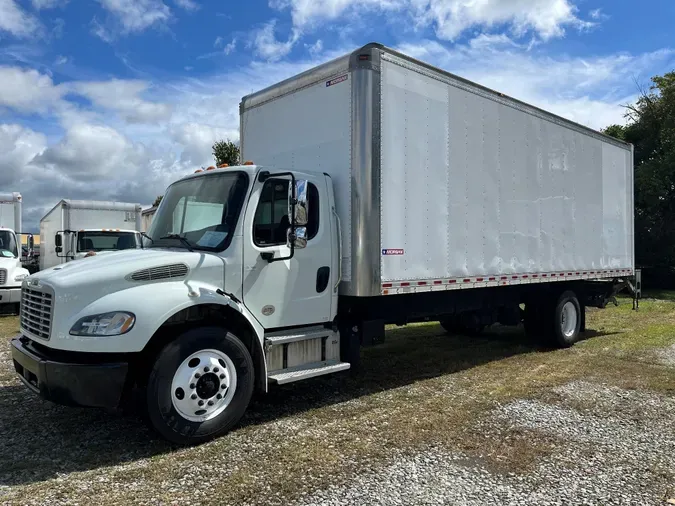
441 182
305 124
474 184
10 211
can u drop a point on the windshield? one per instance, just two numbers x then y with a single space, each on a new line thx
102 241
8 246
204 210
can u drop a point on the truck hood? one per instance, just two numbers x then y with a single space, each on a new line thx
98 275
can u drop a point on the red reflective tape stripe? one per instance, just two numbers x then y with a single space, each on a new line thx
491 279
421 283
452 281
514 277
525 276
387 285
467 280
553 275
405 284
438 282
544 275
479 279
504 277
535 275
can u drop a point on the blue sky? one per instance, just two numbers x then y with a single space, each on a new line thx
114 99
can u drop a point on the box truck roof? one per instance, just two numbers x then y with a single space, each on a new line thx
360 58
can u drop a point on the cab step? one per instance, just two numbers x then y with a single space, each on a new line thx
307 371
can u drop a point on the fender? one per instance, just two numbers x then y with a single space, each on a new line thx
151 311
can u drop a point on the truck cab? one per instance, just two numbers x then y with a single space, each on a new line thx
12 272
236 287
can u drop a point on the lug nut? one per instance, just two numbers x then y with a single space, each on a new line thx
192 385
197 375
206 369
222 376
223 386
215 369
210 403
201 403
193 396
219 396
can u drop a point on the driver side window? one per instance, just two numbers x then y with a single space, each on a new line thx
271 221
271 217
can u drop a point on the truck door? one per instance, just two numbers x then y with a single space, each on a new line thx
294 291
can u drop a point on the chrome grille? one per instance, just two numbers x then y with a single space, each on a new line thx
161 272
36 312
3 276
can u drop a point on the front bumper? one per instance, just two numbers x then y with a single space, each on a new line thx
73 379
10 295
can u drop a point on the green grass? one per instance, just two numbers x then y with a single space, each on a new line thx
421 388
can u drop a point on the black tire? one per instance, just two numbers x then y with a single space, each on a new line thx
560 338
450 326
162 414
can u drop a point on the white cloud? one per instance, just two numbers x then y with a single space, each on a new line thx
449 18
27 90
492 41
18 146
91 152
48 4
188 5
132 16
124 96
61 60
266 45
197 139
230 46
316 48
16 21
598 15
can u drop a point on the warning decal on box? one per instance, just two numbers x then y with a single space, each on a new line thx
337 80
392 251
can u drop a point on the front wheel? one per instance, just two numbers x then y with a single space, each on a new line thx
200 386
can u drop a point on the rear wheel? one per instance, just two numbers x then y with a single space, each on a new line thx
200 386
467 324
567 320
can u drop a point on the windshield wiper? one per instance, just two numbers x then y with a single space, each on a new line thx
147 237
182 239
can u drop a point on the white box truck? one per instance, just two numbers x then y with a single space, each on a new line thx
12 272
388 191
74 229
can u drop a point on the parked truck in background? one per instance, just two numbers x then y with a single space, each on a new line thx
12 273
385 191
74 229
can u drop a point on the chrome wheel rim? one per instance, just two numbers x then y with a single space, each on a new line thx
203 385
568 319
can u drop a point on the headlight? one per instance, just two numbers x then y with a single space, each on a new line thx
20 277
106 324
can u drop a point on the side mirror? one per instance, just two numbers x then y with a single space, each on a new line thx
297 204
298 238
58 242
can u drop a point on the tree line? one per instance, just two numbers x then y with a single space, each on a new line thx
650 127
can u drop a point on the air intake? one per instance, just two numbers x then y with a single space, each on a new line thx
161 272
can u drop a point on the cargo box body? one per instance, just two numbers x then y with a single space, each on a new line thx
443 184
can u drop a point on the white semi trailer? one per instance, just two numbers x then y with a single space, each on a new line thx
74 229
387 191
12 272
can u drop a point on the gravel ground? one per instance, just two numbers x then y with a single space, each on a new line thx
431 419
666 356
603 460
